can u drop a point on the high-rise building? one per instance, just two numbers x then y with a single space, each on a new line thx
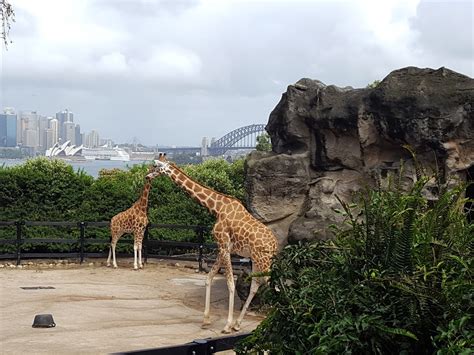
29 129
54 127
8 127
92 139
52 133
69 132
30 138
43 124
204 146
63 117
78 136
3 130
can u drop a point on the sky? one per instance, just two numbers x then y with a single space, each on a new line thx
169 72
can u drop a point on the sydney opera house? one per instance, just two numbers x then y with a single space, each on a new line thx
68 150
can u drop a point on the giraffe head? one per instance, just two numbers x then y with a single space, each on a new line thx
149 172
161 166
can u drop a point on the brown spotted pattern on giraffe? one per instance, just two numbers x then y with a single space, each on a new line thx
218 227
133 220
201 196
239 216
211 204
235 230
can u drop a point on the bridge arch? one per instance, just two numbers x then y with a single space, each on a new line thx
231 139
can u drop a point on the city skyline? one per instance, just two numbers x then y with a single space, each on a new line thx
171 72
61 135
37 133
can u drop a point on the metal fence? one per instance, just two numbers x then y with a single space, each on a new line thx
19 239
196 347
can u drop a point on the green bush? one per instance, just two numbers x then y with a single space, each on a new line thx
396 279
50 190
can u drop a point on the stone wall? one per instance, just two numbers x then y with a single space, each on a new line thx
329 141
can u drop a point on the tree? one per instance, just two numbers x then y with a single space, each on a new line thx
373 85
263 143
8 16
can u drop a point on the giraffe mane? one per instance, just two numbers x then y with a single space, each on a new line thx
200 184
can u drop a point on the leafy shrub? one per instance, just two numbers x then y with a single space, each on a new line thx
397 279
50 190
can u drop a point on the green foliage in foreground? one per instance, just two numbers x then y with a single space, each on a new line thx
50 190
397 280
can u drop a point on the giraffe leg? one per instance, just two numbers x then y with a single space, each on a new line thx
140 264
139 240
214 270
112 239
112 246
110 255
231 287
135 249
254 286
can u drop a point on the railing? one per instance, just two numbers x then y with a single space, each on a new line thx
196 347
18 239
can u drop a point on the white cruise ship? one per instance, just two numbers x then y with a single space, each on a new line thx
105 153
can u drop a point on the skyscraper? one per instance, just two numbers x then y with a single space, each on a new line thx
204 146
43 125
3 130
52 133
78 136
92 139
8 127
69 132
63 117
29 129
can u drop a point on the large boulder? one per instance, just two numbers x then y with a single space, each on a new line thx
329 142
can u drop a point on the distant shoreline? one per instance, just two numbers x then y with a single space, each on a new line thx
91 167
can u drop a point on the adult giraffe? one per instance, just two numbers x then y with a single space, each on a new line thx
236 232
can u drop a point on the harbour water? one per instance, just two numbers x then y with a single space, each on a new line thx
91 167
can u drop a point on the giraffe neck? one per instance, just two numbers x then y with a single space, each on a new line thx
207 197
142 202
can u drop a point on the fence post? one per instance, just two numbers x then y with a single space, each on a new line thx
200 236
18 241
82 226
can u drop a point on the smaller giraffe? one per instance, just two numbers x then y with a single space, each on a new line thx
134 220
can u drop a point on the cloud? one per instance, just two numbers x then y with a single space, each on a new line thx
445 29
169 63
171 72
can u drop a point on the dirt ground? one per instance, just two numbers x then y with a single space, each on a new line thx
100 310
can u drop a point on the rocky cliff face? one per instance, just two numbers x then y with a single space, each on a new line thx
330 142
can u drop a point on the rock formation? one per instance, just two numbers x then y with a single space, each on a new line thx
329 141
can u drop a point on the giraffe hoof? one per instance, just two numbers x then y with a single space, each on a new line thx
236 327
226 330
205 324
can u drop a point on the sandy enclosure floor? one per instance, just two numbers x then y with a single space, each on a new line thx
101 310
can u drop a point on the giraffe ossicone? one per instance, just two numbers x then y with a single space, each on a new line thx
133 220
236 232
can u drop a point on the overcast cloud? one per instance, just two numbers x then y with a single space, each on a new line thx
170 72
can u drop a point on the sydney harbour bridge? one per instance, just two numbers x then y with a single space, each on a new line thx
239 139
